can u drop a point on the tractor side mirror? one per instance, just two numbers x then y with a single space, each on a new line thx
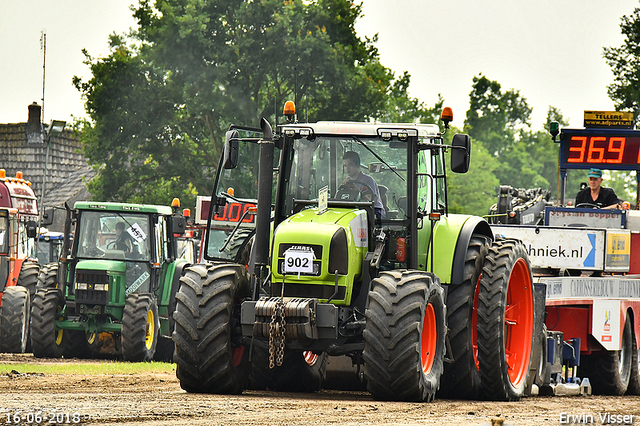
32 229
460 153
47 217
178 224
230 159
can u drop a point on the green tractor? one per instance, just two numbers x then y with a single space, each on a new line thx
113 290
310 259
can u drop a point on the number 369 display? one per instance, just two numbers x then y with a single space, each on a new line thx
602 149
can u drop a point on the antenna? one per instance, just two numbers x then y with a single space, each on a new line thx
43 48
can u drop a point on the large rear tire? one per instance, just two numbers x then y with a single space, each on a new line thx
28 277
206 324
300 371
14 319
140 325
46 341
634 379
610 372
404 337
461 378
505 321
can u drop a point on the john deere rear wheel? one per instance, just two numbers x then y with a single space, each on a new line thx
461 378
505 321
404 336
14 319
207 355
140 325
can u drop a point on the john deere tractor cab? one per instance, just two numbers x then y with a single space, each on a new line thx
115 285
317 270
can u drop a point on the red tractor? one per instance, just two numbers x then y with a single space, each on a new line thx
19 269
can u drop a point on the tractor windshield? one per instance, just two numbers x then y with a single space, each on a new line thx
353 169
233 223
113 235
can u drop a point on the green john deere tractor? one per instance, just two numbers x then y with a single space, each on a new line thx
310 259
113 290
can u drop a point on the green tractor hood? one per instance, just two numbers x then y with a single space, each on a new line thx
320 255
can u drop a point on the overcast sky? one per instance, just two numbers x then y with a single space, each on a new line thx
549 50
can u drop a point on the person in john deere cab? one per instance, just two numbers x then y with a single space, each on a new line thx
123 241
351 164
596 194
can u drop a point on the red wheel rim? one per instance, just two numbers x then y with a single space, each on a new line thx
474 323
310 358
518 323
236 355
429 339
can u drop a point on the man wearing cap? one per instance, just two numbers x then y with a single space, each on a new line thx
595 194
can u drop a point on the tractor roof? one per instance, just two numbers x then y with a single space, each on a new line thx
368 129
122 207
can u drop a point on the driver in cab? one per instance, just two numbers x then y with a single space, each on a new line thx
597 195
351 164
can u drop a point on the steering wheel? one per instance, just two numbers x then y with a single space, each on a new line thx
354 190
93 251
113 245
588 205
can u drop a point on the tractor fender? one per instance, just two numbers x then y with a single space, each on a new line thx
451 236
473 225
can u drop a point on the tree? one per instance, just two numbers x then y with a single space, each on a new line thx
625 65
160 103
495 116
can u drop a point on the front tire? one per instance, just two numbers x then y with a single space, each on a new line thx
140 325
610 372
505 321
206 323
46 341
404 337
14 319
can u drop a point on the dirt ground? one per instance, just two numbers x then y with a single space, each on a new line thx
157 399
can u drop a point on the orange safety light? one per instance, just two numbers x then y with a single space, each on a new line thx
3 173
434 216
446 116
175 202
289 108
18 175
231 191
186 212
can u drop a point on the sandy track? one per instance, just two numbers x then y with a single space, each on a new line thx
157 399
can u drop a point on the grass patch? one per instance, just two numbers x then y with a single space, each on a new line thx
97 368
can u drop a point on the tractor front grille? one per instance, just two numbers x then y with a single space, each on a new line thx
92 287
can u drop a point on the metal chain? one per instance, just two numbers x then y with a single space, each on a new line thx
276 334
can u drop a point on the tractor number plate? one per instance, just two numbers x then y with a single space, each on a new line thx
298 262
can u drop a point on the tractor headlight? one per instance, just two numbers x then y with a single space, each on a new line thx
101 287
81 286
339 253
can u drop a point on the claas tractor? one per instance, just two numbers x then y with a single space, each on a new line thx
19 268
304 264
114 287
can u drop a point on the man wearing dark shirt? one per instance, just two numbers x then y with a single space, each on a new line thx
595 194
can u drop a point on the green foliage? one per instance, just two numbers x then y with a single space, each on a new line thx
473 192
160 103
495 116
625 65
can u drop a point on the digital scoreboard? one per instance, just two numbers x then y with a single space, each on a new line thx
617 149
